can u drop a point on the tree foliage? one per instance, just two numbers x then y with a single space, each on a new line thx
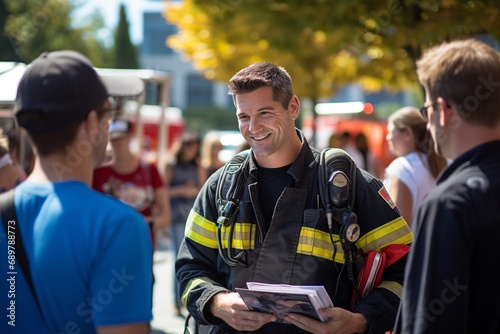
324 44
205 118
125 53
33 27
6 46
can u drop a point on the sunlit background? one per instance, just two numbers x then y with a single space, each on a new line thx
337 52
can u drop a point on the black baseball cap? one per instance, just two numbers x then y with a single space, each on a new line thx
58 88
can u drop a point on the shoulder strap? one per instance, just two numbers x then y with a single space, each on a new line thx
229 187
15 243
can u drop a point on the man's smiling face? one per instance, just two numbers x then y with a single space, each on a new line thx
264 123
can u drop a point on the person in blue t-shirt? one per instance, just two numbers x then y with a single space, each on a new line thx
88 254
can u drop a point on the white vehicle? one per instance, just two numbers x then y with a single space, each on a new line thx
122 85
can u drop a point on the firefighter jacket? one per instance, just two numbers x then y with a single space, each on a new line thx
297 248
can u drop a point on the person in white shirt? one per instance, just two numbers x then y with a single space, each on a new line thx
413 173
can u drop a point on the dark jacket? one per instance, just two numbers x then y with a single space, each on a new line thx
452 284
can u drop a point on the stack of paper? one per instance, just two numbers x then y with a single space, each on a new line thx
281 299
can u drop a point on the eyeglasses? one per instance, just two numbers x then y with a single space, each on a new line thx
423 112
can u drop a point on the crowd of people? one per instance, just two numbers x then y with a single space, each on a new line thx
277 213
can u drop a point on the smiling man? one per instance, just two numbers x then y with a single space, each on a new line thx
278 232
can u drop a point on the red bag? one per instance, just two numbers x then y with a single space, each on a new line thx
370 275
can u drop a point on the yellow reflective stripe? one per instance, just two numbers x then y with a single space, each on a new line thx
201 230
243 236
318 243
193 284
204 232
393 287
393 232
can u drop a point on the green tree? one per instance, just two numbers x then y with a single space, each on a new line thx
325 44
34 27
125 53
7 52
205 118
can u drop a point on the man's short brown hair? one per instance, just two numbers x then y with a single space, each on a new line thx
263 74
466 74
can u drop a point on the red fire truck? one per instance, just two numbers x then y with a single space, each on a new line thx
353 117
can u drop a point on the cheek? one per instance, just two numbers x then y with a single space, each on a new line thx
392 142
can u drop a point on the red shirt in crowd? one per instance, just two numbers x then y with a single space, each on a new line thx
136 188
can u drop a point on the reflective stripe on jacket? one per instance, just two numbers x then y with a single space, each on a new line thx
297 248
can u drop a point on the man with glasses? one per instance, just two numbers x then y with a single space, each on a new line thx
88 254
451 283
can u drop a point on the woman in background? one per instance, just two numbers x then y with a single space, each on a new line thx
210 152
414 172
184 177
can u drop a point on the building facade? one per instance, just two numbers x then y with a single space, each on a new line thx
189 87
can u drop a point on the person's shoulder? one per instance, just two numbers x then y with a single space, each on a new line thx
149 166
415 160
106 200
113 208
463 186
468 176
213 178
398 165
398 161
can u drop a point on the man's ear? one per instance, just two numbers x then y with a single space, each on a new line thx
445 112
294 107
91 123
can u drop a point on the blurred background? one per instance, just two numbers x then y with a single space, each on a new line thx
360 52
352 64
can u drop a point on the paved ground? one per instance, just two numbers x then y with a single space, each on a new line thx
164 319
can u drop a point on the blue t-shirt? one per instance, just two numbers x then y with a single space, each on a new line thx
90 261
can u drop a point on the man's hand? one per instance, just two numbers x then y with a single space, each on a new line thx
341 322
232 310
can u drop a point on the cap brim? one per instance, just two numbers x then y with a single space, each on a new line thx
123 86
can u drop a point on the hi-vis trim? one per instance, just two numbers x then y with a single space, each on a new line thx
193 284
393 232
203 231
393 287
243 236
317 243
